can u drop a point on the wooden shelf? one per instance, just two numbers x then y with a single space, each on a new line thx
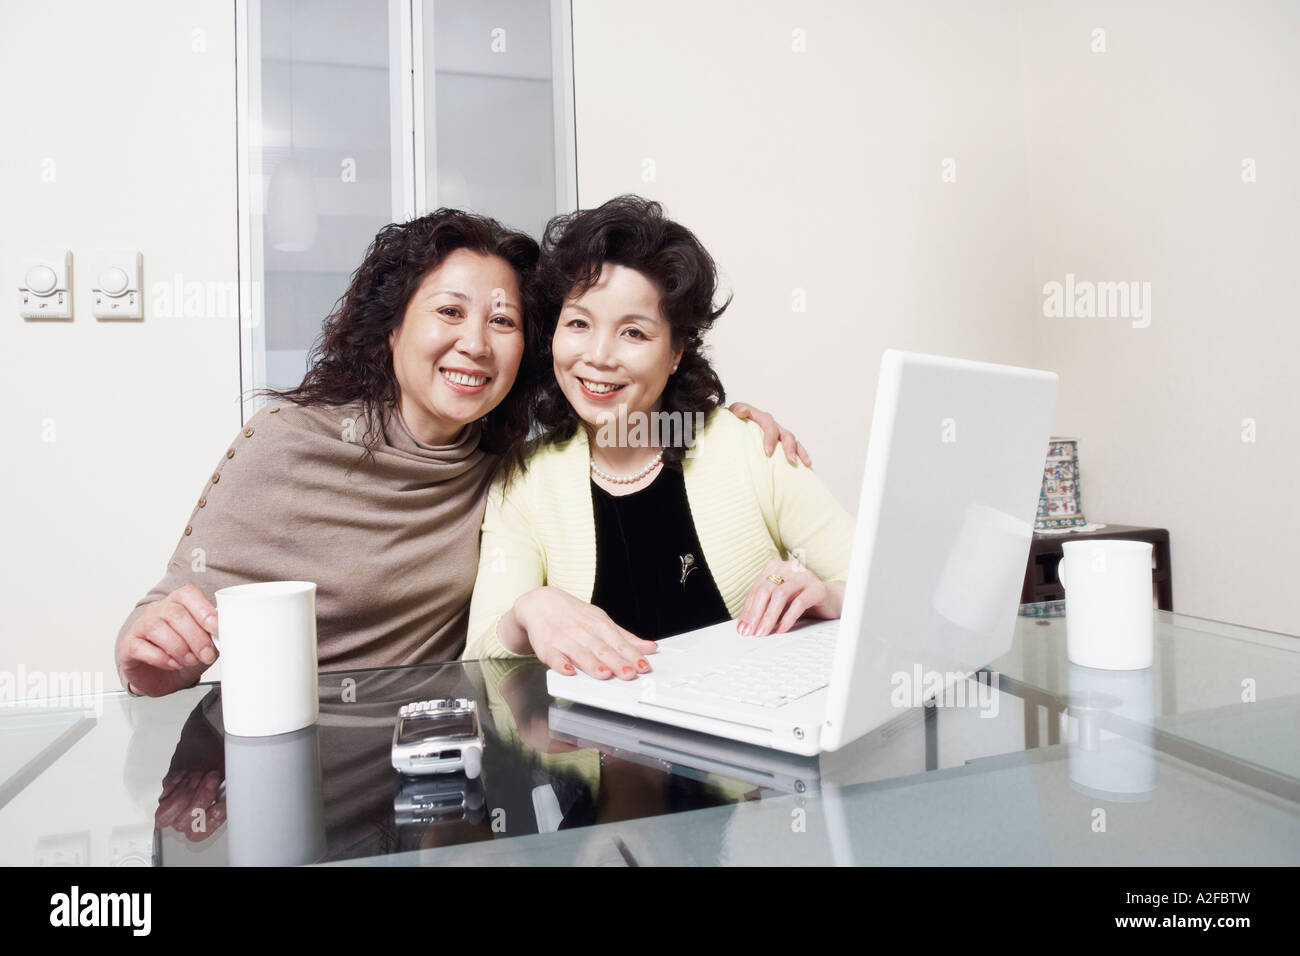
1042 583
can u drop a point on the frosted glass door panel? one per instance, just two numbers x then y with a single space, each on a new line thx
324 165
490 109
357 113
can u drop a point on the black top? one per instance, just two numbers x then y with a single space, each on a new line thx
651 576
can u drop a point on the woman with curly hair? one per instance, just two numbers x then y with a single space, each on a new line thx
370 477
641 512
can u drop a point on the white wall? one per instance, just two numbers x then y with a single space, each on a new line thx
139 128
1137 174
821 170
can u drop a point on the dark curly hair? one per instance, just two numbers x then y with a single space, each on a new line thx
632 231
352 361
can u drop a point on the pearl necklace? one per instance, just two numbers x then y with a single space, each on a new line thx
630 479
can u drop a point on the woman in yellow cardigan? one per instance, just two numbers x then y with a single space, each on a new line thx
640 513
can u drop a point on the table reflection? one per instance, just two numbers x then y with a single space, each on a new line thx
329 792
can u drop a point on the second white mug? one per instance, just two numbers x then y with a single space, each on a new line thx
1109 622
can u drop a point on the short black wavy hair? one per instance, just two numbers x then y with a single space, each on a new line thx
634 232
352 361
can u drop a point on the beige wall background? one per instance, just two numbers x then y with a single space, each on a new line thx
1137 173
814 179
806 145
110 427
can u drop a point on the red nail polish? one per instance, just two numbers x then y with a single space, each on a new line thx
628 672
568 668
602 670
643 664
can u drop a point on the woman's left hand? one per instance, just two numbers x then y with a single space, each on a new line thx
774 607
773 433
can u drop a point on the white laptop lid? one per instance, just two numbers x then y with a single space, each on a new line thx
954 471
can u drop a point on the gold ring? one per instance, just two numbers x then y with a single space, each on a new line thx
776 579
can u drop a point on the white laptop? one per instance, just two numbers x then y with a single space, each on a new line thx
953 474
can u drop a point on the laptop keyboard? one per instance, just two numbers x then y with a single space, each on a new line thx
768 680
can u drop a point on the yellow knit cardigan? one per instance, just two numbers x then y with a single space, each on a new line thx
748 508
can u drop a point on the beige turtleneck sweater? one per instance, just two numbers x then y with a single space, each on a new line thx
391 543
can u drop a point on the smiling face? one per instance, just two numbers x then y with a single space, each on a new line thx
613 347
458 349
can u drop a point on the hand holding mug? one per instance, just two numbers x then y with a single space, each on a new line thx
169 645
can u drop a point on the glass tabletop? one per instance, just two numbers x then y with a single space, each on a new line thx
1215 689
1191 761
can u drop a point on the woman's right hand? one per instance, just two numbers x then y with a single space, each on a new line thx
566 633
184 793
170 645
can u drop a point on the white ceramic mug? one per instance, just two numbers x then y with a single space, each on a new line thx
267 639
1109 622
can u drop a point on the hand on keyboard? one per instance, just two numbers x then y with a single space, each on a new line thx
784 592
566 633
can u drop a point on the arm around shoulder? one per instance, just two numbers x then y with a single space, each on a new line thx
810 523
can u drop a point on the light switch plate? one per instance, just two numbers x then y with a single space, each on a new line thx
45 285
131 846
64 849
115 284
